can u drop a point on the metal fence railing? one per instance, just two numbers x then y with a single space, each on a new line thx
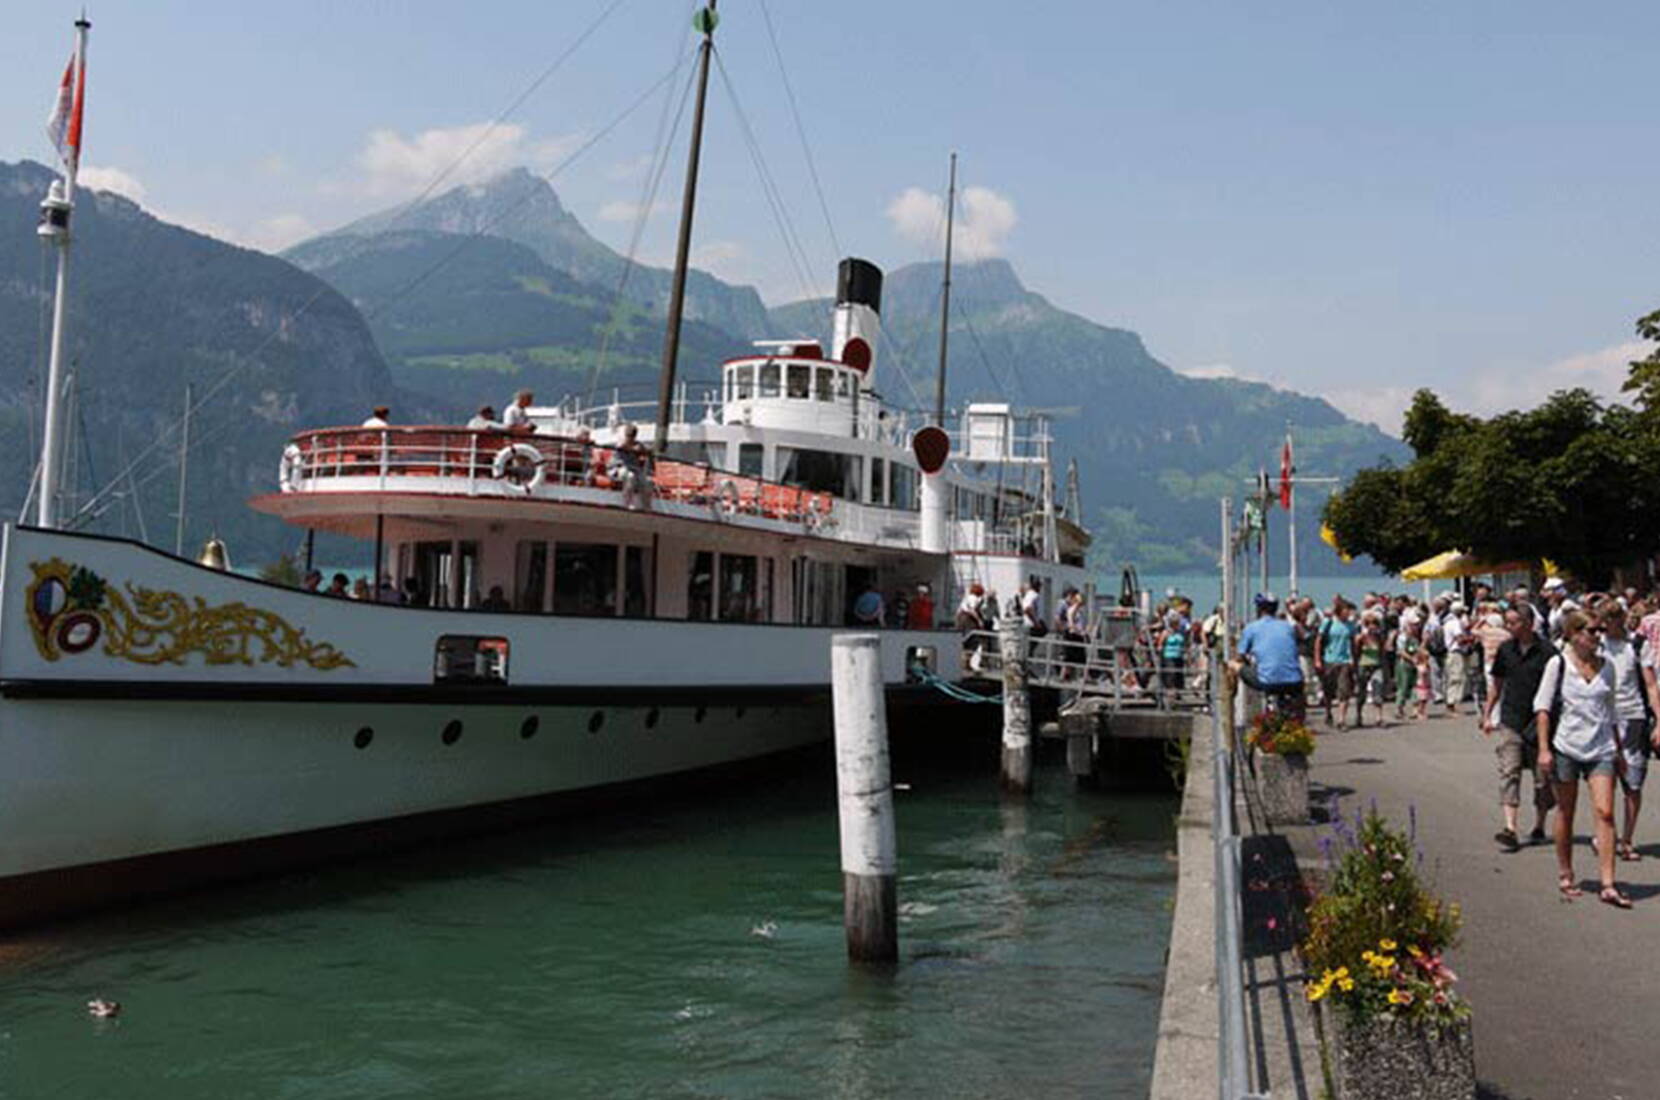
1233 1059
1127 675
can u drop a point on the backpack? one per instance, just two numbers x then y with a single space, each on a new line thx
1437 640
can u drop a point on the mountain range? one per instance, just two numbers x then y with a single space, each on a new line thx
461 299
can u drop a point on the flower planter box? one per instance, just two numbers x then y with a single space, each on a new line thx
1283 783
1387 1059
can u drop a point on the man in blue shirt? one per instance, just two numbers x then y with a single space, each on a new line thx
1270 646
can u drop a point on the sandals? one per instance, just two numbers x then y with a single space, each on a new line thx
1610 895
1568 888
1627 851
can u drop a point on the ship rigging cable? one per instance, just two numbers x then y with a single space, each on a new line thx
654 178
483 230
801 131
775 198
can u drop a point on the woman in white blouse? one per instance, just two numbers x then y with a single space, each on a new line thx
1579 686
1620 652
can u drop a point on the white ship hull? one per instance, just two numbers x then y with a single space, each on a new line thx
211 724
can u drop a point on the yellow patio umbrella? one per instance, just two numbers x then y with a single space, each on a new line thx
1455 563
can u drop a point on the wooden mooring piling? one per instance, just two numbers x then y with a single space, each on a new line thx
864 795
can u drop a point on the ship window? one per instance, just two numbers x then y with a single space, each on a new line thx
905 487
749 459
824 383
469 659
636 581
739 582
584 579
744 383
820 471
844 383
878 480
530 576
700 586
769 380
801 378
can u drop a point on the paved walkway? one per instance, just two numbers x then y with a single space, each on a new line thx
1566 994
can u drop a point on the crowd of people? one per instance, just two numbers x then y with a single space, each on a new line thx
1565 682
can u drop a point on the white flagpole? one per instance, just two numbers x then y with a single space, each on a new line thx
54 225
1292 479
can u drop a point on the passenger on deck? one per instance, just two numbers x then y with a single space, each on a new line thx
1031 607
496 600
360 589
989 608
379 417
1268 655
869 609
339 586
484 420
517 417
576 461
631 469
313 580
920 615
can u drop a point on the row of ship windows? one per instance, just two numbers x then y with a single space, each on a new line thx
452 730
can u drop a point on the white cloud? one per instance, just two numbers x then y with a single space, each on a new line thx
1602 371
624 211
719 258
1383 407
1218 370
630 169
393 166
111 179
276 233
982 226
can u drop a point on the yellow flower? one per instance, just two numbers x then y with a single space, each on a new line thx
1345 984
1413 949
1399 997
1368 955
1341 972
1315 992
1387 945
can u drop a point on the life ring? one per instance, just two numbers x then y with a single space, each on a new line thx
289 471
726 500
520 464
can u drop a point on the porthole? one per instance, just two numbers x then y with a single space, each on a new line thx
364 736
452 732
595 721
528 728
701 714
651 718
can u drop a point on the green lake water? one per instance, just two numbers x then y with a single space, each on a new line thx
688 949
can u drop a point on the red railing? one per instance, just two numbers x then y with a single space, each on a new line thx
465 453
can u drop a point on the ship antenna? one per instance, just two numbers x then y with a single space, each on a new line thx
54 226
704 21
945 295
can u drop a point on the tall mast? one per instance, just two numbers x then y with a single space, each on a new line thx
704 21
54 226
945 294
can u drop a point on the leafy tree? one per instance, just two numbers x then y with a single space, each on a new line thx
1644 377
1572 480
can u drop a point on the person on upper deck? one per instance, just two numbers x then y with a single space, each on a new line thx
630 468
920 615
516 418
484 420
379 417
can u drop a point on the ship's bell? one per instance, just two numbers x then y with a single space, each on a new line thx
214 555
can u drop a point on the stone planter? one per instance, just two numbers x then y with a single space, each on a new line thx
1283 783
1385 1059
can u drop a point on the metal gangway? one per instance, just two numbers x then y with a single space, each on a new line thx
1114 666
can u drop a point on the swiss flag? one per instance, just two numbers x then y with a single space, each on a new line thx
1285 475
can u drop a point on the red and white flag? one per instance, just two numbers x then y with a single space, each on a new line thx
64 127
1285 474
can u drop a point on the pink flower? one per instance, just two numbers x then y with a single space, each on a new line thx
1389 876
1273 923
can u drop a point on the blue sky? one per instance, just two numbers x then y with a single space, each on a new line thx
1344 199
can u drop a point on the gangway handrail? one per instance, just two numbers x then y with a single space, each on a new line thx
1233 1059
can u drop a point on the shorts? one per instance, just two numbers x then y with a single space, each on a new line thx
1565 769
1634 747
1339 681
1515 753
